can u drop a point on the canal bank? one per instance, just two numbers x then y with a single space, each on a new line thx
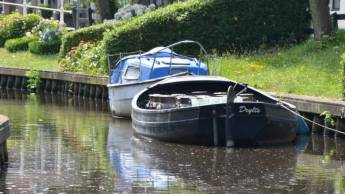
74 84
95 87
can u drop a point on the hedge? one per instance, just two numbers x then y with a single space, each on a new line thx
90 34
221 25
18 44
15 26
44 48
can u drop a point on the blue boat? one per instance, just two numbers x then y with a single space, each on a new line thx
133 73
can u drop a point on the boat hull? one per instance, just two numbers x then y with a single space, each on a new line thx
206 125
258 120
121 95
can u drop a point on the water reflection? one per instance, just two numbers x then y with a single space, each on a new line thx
55 146
133 175
61 144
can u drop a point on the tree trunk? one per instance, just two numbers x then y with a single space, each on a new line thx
104 9
321 18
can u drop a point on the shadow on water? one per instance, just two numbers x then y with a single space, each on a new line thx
71 145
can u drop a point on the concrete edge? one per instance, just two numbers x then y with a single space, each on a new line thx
55 75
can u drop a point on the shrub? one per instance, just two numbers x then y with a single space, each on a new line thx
86 57
222 25
44 48
45 24
18 44
49 42
50 35
16 25
91 34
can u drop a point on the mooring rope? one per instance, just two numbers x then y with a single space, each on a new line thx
306 119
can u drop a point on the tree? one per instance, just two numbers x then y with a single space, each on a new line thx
106 8
321 18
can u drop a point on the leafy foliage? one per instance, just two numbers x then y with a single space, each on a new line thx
18 44
16 25
46 31
45 24
222 25
90 34
328 120
49 42
34 80
86 57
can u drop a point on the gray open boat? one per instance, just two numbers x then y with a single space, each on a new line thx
213 111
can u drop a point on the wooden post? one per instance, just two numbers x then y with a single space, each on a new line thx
315 128
54 86
3 81
10 82
92 91
65 88
17 82
340 126
47 87
81 89
98 93
75 89
24 83
86 90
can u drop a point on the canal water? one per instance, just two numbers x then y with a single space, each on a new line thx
61 145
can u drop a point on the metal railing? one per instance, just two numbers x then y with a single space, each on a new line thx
26 5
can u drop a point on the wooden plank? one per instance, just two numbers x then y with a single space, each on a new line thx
315 105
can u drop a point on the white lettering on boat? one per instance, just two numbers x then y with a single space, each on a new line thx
249 111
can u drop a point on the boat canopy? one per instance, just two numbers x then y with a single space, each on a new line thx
156 63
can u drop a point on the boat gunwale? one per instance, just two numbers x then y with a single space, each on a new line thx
117 85
196 79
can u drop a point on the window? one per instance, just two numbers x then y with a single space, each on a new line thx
132 73
335 5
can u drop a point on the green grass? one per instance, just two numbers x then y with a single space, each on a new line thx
310 68
28 60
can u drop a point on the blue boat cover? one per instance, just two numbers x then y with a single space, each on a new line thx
155 64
